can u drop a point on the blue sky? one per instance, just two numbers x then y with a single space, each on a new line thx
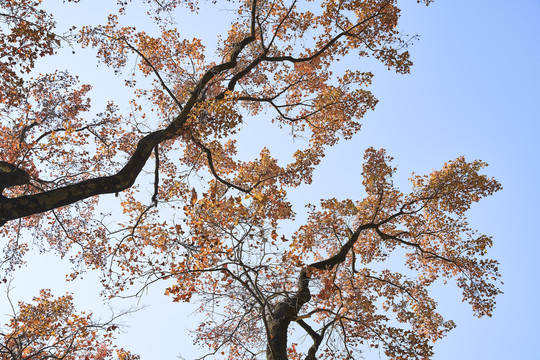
473 91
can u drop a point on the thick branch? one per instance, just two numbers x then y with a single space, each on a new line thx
342 253
15 208
317 339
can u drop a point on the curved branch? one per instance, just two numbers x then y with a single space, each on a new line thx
325 47
415 245
338 258
210 161
15 208
253 64
317 338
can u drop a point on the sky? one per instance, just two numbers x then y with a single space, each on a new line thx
473 91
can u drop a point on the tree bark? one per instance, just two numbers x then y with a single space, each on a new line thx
19 207
287 311
16 208
282 315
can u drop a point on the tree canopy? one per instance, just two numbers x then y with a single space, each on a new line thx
200 215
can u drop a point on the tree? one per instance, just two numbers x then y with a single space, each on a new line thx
210 223
50 329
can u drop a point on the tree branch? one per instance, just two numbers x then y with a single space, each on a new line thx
156 175
14 208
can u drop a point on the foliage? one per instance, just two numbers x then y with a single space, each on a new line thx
50 329
221 241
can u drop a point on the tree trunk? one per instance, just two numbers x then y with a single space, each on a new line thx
278 326
282 315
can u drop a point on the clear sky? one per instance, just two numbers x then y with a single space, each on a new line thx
473 91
